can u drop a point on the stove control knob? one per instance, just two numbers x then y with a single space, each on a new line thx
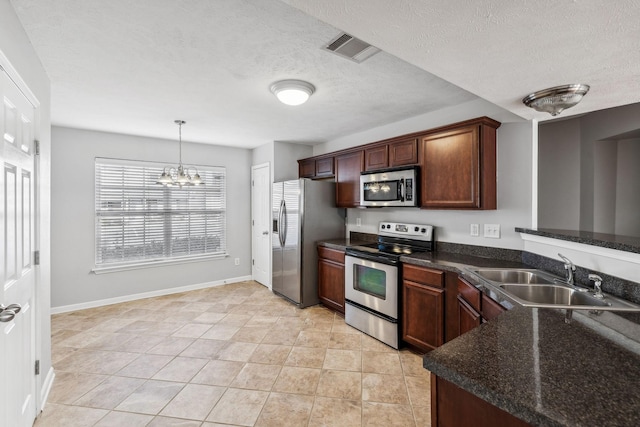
424 230
416 229
388 226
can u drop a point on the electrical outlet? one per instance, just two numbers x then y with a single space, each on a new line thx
358 222
492 231
475 230
237 260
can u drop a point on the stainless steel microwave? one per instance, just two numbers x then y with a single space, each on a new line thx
389 187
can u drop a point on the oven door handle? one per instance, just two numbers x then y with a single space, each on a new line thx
371 257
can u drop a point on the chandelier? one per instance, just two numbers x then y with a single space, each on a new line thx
179 176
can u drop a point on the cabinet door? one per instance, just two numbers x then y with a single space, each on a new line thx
331 284
306 168
403 153
348 167
468 318
451 169
376 158
324 167
490 308
422 316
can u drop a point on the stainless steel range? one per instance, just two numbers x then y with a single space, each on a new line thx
372 278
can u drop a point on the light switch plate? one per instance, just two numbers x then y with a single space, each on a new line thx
358 222
475 230
492 231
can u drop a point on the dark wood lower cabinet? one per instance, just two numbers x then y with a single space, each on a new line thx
452 406
331 278
422 315
468 318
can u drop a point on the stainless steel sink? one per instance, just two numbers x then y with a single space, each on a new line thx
551 295
537 288
508 275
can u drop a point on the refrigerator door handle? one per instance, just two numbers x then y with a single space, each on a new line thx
280 210
286 224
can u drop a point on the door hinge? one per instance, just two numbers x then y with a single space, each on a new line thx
253 183
253 262
36 144
37 367
36 258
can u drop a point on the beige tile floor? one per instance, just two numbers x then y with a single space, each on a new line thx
230 355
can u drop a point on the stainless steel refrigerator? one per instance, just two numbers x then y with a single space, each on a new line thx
304 212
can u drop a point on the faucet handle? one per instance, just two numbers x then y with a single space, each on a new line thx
567 262
597 284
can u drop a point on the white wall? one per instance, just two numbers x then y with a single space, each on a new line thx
514 147
627 220
605 162
286 157
559 175
585 182
20 60
73 216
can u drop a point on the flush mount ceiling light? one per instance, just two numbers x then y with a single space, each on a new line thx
292 92
179 176
556 99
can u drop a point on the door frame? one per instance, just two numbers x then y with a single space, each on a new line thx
254 252
42 382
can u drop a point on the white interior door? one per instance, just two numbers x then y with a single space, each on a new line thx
17 278
261 223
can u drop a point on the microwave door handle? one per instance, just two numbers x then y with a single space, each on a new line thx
401 190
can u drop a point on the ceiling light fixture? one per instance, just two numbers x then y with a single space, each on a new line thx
179 176
292 92
556 99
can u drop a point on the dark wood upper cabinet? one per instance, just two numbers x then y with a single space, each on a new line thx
459 167
307 168
403 153
315 168
324 167
376 158
348 167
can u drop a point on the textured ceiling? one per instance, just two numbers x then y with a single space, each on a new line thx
135 66
502 50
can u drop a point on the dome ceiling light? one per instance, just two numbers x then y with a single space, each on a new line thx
292 92
556 99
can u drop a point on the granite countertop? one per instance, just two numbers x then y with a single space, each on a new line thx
611 241
532 364
341 244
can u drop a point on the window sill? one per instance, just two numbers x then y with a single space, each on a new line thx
152 264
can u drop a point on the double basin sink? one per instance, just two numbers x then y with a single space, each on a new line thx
537 288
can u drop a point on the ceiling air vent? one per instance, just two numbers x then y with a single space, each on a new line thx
351 48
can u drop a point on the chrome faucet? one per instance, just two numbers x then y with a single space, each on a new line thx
568 265
597 285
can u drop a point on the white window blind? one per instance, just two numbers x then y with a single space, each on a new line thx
139 221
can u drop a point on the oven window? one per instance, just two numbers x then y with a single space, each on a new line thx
370 281
384 191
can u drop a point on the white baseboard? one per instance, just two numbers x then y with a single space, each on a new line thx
133 297
46 388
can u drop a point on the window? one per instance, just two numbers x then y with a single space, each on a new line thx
139 222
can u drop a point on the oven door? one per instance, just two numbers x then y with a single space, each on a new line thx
372 284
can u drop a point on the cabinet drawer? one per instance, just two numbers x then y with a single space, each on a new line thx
423 275
331 254
490 308
470 293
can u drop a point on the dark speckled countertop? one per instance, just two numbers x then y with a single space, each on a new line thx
532 364
611 241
